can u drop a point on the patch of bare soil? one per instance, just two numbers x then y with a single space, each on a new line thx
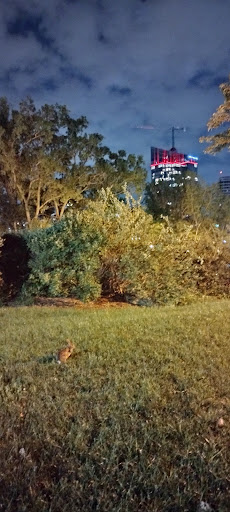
75 303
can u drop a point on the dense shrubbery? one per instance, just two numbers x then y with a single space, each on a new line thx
65 260
14 270
114 247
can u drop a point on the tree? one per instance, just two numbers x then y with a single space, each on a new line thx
48 161
197 203
165 198
205 205
220 140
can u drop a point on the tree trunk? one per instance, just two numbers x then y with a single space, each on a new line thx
38 202
63 209
56 210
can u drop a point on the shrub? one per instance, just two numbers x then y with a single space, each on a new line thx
213 263
143 260
157 262
64 260
14 257
115 248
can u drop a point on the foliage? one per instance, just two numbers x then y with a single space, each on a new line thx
64 260
197 203
48 161
129 423
14 257
1 281
138 260
114 244
163 199
220 140
213 263
116 248
128 234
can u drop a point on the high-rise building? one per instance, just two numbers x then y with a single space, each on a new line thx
224 182
170 165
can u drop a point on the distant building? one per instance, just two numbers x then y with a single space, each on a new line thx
168 165
224 182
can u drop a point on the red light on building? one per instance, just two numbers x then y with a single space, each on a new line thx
165 164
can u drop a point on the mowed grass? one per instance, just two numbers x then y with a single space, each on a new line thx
129 422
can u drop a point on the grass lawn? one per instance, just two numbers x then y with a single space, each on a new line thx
129 423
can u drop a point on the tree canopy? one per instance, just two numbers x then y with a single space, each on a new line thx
195 202
221 140
162 199
49 161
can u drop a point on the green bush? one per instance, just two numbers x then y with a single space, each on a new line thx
157 262
115 248
213 263
145 261
64 260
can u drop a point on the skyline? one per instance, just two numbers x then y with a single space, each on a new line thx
136 63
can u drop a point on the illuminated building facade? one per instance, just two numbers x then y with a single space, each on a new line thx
224 182
170 165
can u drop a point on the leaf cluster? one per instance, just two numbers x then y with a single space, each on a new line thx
48 163
114 248
64 260
221 117
194 202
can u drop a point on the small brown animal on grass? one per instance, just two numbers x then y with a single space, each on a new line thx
64 353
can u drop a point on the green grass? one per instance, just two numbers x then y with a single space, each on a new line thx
129 423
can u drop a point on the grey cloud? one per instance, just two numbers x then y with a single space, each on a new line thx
120 63
206 79
24 24
122 91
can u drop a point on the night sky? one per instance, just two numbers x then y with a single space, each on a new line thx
123 64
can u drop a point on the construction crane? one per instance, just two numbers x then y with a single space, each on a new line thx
179 128
174 128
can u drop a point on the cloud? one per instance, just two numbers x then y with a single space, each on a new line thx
122 91
206 79
23 24
122 64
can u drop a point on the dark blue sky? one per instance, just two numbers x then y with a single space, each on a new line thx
123 64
